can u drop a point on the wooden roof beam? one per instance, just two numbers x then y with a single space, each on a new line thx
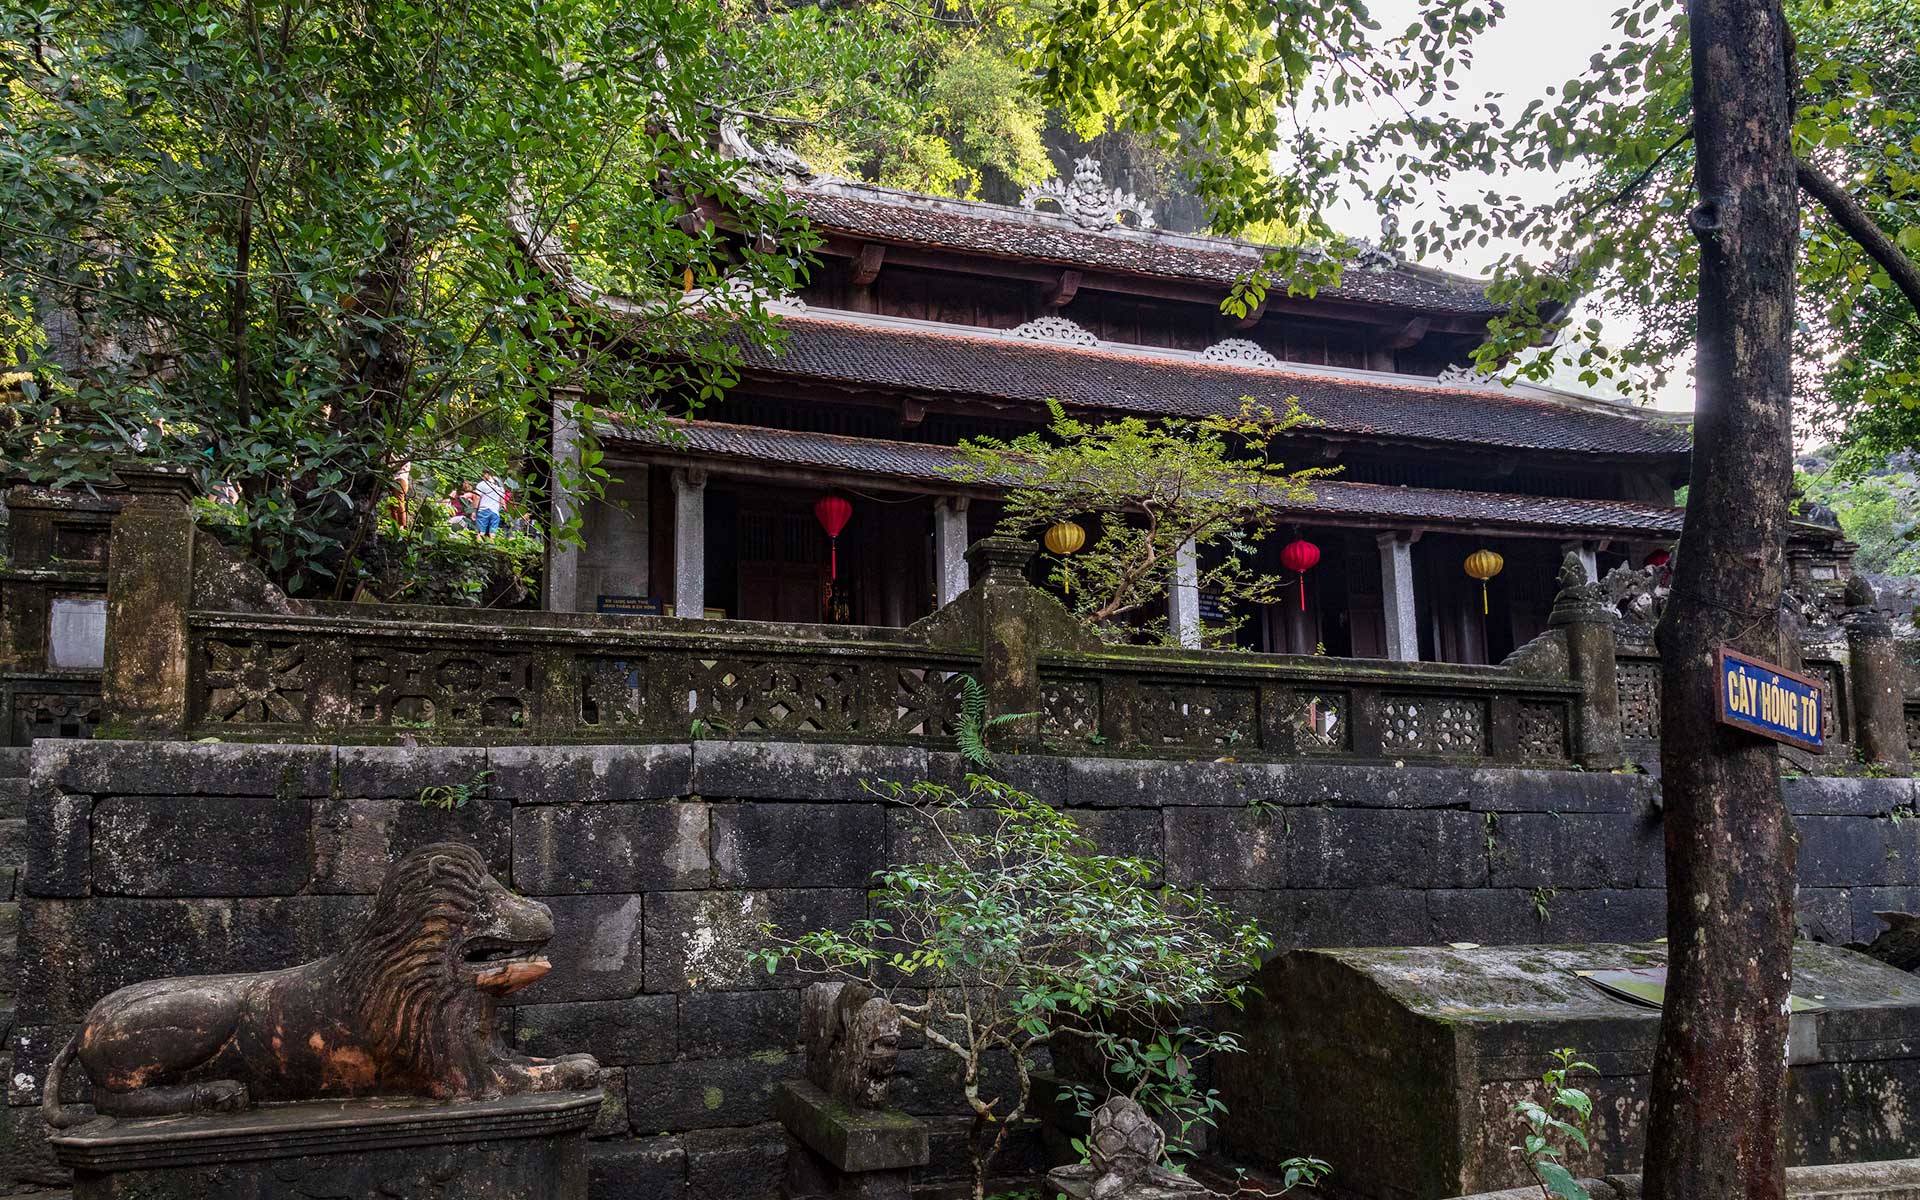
866 263
1409 335
1060 292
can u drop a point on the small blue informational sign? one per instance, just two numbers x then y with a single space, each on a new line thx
1769 700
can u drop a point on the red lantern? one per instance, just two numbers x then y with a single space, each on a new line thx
833 513
1659 558
1299 556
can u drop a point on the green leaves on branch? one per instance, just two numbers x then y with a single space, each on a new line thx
1150 487
1552 1128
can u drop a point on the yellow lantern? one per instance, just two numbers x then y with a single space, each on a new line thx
1484 565
1063 538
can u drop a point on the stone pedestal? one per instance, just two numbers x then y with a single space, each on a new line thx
518 1148
849 1153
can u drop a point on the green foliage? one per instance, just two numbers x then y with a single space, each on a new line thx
455 795
1016 934
1878 503
270 240
973 726
876 91
1152 487
1551 1128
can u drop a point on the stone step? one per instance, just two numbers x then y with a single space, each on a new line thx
13 797
13 761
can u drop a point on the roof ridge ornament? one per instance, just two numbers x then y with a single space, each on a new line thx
1053 328
774 157
1242 351
1087 199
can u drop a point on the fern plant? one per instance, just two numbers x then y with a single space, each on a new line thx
972 728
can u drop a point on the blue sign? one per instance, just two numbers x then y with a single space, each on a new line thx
1775 703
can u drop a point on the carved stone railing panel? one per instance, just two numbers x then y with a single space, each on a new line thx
1196 715
1639 698
48 707
1323 721
255 681
454 686
1439 726
1834 725
1913 728
1543 731
1070 711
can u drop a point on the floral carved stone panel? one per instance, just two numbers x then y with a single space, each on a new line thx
259 681
1639 682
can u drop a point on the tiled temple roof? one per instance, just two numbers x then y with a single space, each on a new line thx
1334 499
923 360
883 214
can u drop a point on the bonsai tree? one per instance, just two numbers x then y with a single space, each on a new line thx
1015 934
1153 487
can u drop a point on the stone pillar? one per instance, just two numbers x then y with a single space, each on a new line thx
950 576
1588 555
1581 612
1183 602
1874 676
143 681
563 561
689 542
1396 592
1009 638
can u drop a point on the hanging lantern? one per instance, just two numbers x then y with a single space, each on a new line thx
1300 556
833 513
1063 538
1484 565
1659 558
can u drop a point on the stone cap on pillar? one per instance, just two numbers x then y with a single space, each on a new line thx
1000 559
1579 601
155 482
1863 617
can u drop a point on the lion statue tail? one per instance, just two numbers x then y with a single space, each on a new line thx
58 1115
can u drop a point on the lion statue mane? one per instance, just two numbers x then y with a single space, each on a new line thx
407 1008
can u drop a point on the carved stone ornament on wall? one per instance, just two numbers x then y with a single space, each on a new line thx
1088 200
1467 376
1124 1148
1054 329
1239 350
407 1008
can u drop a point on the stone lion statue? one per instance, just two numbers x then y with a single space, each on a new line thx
851 1035
407 1008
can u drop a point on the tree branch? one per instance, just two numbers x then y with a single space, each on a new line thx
1859 226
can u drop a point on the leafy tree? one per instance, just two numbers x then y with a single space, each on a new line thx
875 91
1153 487
1015 936
272 240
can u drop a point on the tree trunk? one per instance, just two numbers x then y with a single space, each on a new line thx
1720 1076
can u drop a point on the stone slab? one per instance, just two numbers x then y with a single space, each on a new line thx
852 1139
516 1148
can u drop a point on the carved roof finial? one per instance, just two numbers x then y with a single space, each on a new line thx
1088 200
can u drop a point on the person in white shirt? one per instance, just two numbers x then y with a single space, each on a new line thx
490 499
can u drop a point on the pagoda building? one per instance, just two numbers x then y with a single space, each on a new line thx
930 320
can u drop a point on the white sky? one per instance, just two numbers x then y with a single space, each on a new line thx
1539 44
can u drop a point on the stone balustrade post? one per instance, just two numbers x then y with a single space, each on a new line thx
1009 638
1874 677
143 683
1583 615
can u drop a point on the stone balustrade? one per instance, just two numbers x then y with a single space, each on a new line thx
200 645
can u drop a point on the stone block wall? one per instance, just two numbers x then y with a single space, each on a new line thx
662 862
